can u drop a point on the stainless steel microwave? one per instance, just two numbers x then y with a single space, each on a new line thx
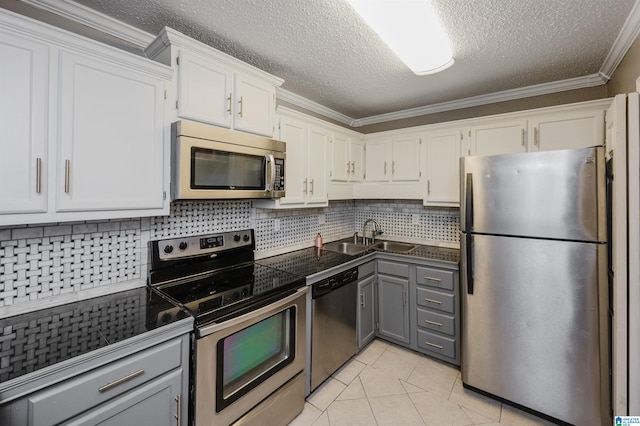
211 163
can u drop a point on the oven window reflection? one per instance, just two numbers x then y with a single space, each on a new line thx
255 353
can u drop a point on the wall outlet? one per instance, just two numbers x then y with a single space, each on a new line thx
322 219
415 219
276 225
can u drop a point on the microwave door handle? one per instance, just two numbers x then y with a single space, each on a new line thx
271 172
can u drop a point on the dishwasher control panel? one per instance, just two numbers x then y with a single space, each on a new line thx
335 281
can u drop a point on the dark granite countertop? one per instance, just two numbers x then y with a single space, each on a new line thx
33 341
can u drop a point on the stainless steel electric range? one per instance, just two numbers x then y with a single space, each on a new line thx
248 357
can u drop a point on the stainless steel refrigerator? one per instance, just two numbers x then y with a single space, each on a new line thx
534 282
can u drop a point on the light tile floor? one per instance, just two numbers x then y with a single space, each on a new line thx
388 385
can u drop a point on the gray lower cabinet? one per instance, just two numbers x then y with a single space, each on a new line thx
140 381
393 306
437 311
418 305
366 314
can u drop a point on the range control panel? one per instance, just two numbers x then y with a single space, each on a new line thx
176 248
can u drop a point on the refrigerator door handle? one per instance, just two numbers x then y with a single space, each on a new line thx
469 256
468 213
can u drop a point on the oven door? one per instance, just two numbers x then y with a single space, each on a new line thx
242 361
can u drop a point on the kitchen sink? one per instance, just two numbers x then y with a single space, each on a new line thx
346 248
393 246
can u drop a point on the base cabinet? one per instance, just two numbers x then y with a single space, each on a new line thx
393 306
366 310
144 381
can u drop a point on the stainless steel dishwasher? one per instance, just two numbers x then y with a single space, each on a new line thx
333 327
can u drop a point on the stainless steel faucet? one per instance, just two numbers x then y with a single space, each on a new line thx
376 231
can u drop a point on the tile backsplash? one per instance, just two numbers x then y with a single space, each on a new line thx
51 264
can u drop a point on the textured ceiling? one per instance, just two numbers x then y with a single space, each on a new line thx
326 54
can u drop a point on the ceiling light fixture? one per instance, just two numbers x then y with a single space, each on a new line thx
412 29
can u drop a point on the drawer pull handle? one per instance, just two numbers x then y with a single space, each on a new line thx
121 380
437 302
434 345
438 280
433 323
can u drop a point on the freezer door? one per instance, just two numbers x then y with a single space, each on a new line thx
534 329
549 194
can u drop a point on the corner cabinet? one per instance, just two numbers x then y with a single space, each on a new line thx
143 381
215 88
85 134
443 167
393 301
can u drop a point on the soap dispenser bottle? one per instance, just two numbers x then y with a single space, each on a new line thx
318 242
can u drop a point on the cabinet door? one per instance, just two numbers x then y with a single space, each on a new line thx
443 166
204 90
317 165
568 130
357 161
255 106
154 404
340 161
23 126
377 158
405 162
294 133
111 149
499 138
393 308
365 313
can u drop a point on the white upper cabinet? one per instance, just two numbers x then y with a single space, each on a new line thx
215 88
23 127
377 160
255 106
443 167
393 158
83 128
111 128
499 137
305 164
566 130
405 159
347 158
204 90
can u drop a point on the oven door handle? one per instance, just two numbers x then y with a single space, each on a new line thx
275 306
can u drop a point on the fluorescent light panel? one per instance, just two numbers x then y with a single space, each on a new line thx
412 30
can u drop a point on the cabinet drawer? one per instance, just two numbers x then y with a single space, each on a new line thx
366 269
434 277
393 268
435 300
90 389
437 344
437 322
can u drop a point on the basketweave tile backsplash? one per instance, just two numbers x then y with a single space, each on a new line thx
44 261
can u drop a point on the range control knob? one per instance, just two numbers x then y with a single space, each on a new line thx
236 238
245 238
183 245
168 249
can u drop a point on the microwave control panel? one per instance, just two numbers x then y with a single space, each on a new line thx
278 181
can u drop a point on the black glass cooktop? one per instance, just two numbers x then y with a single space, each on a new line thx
306 262
213 295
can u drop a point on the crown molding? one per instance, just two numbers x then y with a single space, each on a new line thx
623 42
312 106
93 19
505 95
